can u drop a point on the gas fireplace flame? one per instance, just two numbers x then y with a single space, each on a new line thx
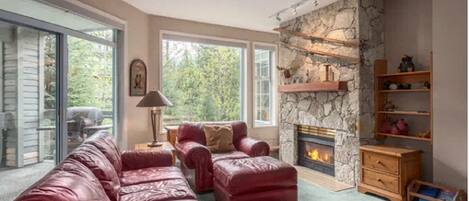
316 156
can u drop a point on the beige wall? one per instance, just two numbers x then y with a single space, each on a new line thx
136 126
143 32
408 30
158 23
450 92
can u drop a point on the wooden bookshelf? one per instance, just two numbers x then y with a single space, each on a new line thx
314 87
381 96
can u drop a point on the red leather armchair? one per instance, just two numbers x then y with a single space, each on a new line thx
197 161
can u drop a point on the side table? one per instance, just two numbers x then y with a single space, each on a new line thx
165 146
171 135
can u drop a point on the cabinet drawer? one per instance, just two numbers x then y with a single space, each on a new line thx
381 162
385 182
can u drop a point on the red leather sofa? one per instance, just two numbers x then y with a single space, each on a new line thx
197 161
97 171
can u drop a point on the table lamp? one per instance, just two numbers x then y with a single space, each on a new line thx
154 99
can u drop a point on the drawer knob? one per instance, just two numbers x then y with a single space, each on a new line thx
379 180
379 162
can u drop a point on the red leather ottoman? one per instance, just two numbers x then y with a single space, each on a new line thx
259 178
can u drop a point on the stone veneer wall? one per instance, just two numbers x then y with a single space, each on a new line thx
349 112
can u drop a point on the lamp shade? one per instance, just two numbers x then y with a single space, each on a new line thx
154 99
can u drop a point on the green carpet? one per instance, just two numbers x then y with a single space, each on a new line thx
310 192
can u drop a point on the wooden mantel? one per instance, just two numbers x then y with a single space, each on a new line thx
314 87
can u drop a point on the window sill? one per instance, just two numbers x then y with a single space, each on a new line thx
265 126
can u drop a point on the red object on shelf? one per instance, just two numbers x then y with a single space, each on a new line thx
386 127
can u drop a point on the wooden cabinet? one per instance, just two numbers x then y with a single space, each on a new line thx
386 171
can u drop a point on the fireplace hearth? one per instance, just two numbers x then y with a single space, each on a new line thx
316 149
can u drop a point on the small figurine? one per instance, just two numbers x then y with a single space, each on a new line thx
407 65
426 84
400 127
404 86
387 84
424 134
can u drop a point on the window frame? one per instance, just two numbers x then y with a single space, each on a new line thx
274 81
245 52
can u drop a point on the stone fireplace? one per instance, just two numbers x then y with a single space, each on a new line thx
315 150
349 113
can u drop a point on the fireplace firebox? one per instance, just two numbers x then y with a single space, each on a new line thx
316 149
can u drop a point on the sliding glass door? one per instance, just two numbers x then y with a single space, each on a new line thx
89 88
28 80
57 87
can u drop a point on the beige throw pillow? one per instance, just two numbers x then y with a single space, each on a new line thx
219 138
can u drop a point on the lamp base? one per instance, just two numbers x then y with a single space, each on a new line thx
154 144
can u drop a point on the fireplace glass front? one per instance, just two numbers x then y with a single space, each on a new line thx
316 152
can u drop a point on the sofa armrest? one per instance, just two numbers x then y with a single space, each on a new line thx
192 153
253 147
198 159
133 160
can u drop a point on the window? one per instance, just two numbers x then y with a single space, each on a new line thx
203 78
263 82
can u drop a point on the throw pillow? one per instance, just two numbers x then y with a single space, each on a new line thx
219 138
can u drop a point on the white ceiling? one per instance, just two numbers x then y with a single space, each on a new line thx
248 14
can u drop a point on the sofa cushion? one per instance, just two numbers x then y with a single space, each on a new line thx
193 131
104 142
261 173
93 159
152 174
70 181
219 138
171 189
228 156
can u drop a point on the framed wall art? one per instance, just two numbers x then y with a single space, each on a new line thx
138 78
